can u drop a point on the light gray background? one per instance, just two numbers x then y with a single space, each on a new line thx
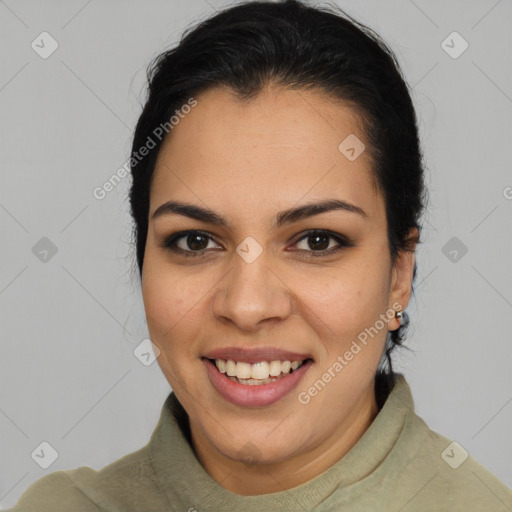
69 326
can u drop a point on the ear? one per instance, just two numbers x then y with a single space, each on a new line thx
401 278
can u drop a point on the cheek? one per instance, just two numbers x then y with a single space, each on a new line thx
347 297
173 304
170 317
164 303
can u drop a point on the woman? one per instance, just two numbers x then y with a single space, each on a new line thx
277 194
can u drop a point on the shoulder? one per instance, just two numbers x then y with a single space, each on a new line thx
441 472
55 492
119 486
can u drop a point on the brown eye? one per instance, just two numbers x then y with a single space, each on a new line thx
195 243
318 243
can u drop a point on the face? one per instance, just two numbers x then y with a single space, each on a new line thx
268 287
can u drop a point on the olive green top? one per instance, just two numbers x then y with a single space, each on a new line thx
399 464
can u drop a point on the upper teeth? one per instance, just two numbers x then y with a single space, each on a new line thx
261 370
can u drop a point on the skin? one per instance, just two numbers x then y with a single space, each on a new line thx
248 160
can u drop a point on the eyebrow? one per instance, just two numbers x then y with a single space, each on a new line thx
284 217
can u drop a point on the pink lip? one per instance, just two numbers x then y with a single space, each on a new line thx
255 355
259 395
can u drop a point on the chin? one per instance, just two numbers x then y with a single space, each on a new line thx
266 446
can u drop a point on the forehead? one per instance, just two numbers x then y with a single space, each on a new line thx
274 149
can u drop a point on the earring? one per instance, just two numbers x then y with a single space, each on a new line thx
399 315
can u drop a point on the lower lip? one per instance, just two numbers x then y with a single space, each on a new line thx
259 394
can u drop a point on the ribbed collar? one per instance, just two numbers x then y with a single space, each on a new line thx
174 460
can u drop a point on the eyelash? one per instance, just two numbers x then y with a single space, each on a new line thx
170 243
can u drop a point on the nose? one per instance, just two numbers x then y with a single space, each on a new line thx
252 294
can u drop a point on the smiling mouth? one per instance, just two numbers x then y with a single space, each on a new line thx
256 374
